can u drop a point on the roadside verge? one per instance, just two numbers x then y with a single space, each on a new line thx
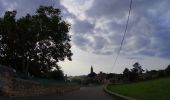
116 95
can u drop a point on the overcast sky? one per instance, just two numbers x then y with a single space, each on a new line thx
97 30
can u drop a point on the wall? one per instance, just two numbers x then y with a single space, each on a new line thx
6 78
10 86
30 88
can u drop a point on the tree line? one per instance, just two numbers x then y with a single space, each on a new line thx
138 74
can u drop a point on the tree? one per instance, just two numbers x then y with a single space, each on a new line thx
133 76
168 70
137 68
126 73
39 40
56 74
130 75
136 71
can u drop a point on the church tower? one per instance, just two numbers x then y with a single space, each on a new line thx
92 74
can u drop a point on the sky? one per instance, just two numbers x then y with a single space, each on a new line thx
97 28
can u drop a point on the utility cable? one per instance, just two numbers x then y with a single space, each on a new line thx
124 34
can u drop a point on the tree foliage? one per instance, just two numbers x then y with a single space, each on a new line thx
134 73
34 43
168 70
137 68
56 75
126 72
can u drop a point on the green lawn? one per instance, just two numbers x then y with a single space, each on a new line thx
149 90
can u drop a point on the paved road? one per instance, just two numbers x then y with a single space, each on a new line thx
85 93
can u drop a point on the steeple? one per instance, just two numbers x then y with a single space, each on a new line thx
92 74
91 69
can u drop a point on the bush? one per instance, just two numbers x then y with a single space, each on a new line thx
161 73
56 75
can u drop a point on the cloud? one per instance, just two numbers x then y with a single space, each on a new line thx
77 7
107 9
98 26
26 6
101 25
82 27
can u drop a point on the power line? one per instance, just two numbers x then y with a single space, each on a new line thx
124 35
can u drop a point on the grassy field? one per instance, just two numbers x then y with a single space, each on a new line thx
149 90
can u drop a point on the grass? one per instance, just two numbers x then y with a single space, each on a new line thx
149 90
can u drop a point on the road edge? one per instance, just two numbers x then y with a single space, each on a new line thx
116 95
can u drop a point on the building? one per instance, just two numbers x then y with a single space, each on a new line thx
92 74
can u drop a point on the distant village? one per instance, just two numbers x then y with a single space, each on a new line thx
128 75
95 78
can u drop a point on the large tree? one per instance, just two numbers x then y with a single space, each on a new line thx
137 68
34 43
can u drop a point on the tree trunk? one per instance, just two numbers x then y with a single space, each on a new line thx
25 67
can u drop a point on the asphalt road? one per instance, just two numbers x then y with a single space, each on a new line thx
85 93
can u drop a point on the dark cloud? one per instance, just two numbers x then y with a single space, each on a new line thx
102 8
98 26
26 6
99 43
81 41
148 30
135 58
83 27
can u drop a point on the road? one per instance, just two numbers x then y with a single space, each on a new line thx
85 93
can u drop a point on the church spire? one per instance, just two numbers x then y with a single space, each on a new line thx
91 69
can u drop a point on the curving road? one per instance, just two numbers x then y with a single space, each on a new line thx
85 93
